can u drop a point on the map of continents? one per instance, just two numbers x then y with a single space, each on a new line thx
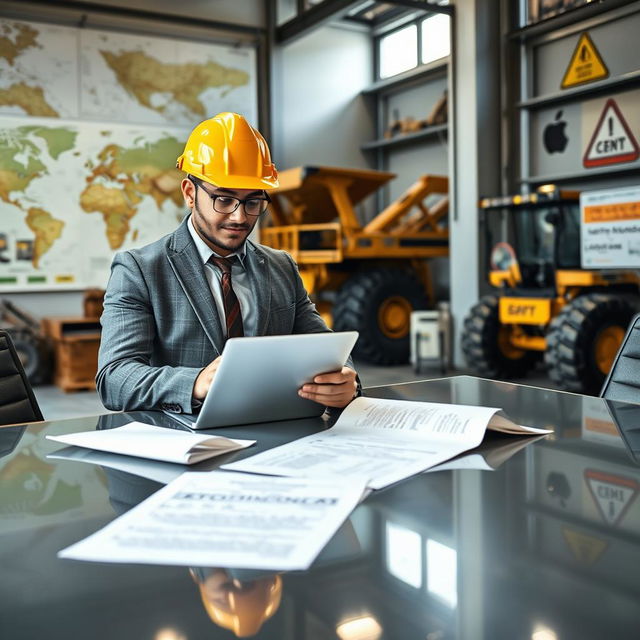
73 194
163 81
91 123
124 176
22 160
38 70
120 77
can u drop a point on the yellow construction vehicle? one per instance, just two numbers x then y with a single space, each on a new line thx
545 303
365 277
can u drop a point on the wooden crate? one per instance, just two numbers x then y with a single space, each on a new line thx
75 344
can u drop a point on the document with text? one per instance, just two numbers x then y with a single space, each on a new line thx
384 441
222 519
158 443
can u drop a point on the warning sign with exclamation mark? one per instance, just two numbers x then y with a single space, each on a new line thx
586 64
612 141
612 494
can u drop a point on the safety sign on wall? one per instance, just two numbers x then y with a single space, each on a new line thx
612 141
585 548
612 494
586 64
610 228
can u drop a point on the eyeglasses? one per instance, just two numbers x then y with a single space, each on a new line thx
226 205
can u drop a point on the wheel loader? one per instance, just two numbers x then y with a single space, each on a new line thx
30 344
544 305
363 276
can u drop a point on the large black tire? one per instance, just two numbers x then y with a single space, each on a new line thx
33 355
575 335
551 356
360 306
481 344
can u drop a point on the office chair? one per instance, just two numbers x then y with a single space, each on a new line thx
623 381
17 402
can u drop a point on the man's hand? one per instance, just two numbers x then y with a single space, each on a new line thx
335 389
205 378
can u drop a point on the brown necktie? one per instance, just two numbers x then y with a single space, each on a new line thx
231 303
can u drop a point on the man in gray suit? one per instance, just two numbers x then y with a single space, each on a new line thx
170 306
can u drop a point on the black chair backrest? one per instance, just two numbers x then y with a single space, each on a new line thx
623 381
17 402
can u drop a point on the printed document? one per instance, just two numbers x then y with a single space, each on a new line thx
158 443
384 441
221 519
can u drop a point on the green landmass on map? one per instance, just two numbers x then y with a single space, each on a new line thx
25 37
20 161
46 229
58 139
136 172
142 76
20 164
30 99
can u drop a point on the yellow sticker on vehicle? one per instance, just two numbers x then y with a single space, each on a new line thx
525 310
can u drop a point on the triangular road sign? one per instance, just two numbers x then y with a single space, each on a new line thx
612 141
586 64
612 494
586 549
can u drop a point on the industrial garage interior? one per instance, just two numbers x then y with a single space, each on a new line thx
458 182
448 112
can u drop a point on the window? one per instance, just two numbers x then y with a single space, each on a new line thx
436 38
442 572
399 51
422 41
404 557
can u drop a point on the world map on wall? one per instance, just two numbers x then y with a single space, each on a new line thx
71 195
91 124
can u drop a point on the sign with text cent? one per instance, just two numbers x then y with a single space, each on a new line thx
612 141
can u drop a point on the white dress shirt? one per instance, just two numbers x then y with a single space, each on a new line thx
239 282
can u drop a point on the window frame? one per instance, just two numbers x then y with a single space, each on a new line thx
417 22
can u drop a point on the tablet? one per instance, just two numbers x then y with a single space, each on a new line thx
259 377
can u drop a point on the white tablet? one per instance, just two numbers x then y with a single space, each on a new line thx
259 377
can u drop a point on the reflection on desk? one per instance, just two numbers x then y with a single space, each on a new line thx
240 606
546 546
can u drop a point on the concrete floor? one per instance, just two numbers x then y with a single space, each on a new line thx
57 405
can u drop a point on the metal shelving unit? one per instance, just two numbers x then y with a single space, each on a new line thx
378 95
530 101
408 138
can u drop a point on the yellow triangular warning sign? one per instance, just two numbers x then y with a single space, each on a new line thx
586 549
586 64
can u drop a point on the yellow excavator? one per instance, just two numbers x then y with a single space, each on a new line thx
364 276
544 304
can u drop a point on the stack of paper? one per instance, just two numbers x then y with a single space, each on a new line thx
218 519
384 441
239 520
157 443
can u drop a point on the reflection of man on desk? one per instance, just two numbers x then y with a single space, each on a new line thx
239 605
241 600
170 306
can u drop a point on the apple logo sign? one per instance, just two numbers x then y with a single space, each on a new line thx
554 137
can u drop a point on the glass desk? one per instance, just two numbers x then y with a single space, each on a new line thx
544 547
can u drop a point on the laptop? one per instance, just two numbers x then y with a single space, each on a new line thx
259 377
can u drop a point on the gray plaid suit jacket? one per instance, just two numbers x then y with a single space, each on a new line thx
160 325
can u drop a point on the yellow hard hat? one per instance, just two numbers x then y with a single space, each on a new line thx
227 151
242 607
